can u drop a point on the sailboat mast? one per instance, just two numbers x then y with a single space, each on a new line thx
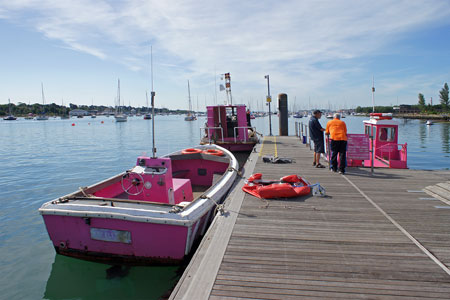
43 98
189 95
118 97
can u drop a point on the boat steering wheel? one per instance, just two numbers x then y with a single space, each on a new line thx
134 184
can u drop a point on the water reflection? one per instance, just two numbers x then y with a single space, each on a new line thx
423 134
445 137
77 279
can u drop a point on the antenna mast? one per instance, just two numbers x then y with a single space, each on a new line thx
215 86
152 94
373 93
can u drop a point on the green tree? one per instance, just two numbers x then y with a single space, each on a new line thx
421 100
443 94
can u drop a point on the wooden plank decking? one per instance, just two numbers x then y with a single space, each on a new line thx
376 237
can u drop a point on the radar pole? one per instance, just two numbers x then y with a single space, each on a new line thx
228 87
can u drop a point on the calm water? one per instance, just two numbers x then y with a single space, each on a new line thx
42 160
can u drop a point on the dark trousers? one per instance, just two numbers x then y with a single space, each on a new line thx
338 147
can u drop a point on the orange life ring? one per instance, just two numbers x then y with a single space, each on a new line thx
213 152
191 151
381 116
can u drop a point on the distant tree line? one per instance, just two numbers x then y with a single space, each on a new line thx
427 109
378 109
442 107
23 109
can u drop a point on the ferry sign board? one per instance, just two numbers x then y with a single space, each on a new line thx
358 146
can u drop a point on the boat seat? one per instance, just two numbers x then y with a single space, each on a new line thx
182 190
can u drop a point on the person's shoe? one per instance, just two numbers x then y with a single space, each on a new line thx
320 166
342 172
333 170
314 164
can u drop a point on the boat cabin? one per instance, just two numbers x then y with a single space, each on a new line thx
388 152
229 126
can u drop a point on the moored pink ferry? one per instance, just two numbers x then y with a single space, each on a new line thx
229 126
387 152
150 214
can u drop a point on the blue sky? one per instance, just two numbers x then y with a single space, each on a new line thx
326 51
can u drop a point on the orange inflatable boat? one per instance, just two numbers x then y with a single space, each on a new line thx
287 187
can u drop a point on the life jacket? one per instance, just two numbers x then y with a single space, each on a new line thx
287 187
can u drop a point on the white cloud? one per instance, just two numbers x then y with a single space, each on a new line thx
297 42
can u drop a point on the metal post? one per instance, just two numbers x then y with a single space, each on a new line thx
283 112
269 99
329 151
309 139
372 152
373 157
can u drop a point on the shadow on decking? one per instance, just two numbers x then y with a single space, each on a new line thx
377 174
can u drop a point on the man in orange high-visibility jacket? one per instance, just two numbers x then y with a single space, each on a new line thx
338 136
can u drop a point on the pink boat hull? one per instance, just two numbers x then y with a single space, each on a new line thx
150 243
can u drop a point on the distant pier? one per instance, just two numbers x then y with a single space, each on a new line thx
377 237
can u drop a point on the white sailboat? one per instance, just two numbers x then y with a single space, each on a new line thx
93 115
65 115
190 116
10 117
42 116
119 115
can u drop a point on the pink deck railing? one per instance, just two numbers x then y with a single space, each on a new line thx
398 154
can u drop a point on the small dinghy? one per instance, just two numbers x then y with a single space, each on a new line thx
150 214
286 187
429 122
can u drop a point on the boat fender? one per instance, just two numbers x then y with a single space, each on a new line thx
191 151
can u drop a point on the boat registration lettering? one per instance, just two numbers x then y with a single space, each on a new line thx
111 235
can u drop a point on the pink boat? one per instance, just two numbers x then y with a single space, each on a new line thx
150 214
388 153
229 127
